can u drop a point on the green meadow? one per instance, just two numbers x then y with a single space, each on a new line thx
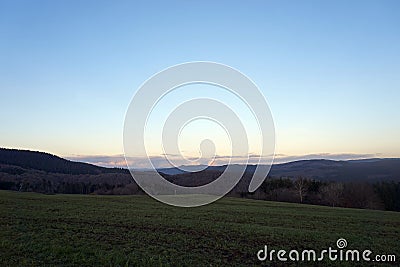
92 230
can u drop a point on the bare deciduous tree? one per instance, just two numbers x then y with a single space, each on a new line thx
301 187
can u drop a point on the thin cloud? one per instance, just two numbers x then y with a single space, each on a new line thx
282 158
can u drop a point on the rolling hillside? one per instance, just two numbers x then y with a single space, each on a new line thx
46 162
23 170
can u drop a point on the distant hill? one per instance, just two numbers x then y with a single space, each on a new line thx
50 163
371 170
186 169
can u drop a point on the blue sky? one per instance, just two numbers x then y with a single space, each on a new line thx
329 69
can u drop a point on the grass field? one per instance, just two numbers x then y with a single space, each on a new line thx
86 230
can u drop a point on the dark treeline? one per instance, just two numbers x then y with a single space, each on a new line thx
48 187
364 195
389 193
28 180
380 195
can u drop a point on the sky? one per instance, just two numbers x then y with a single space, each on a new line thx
328 69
